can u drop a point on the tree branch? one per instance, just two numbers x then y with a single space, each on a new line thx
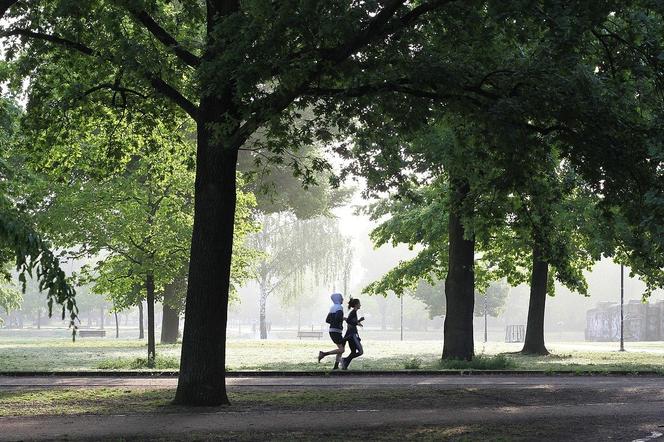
5 5
167 39
381 24
399 86
113 87
70 44
174 95
155 81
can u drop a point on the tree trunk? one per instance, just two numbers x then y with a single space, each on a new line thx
117 326
38 318
534 342
202 379
170 319
459 283
261 314
141 333
149 288
101 319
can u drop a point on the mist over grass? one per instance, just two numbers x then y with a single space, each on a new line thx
293 355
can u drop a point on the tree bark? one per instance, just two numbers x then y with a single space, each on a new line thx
202 379
149 288
101 319
170 319
261 313
534 341
38 318
459 283
141 333
117 325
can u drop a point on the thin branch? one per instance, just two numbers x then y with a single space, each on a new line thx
398 86
70 44
167 39
113 87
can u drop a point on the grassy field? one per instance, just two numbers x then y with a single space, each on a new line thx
112 354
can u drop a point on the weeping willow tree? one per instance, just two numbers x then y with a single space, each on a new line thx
296 254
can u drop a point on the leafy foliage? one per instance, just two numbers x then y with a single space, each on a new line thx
19 240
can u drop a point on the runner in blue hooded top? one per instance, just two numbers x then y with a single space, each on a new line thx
336 320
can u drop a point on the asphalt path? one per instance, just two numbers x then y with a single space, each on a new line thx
564 407
359 380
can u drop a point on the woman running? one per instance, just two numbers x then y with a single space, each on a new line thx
336 320
352 336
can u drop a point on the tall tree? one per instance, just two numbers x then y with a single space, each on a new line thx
247 70
258 65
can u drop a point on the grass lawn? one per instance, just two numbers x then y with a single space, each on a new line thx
295 355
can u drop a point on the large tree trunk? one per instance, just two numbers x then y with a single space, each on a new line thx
141 332
170 319
534 342
261 313
149 288
202 379
459 283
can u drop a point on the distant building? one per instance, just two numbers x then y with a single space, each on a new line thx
642 322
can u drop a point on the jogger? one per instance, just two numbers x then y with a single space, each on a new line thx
336 320
352 336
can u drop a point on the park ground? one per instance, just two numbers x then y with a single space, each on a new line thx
569 395
108 354
353 407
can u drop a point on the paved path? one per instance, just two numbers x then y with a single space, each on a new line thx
398 381
567 407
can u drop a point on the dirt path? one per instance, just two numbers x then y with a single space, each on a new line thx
523 408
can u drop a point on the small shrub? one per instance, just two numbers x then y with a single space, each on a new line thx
413 364
499 362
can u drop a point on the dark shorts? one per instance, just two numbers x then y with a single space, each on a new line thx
336 337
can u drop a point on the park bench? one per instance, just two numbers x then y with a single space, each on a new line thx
309 334
92 333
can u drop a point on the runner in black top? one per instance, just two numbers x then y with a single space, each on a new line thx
336 320
352 336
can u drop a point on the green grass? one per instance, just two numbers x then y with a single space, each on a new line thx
45 402
132 400
160 363
291 355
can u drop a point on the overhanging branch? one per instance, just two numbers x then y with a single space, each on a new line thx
70 44
155 81
382 24
167 39
396 86
174 95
